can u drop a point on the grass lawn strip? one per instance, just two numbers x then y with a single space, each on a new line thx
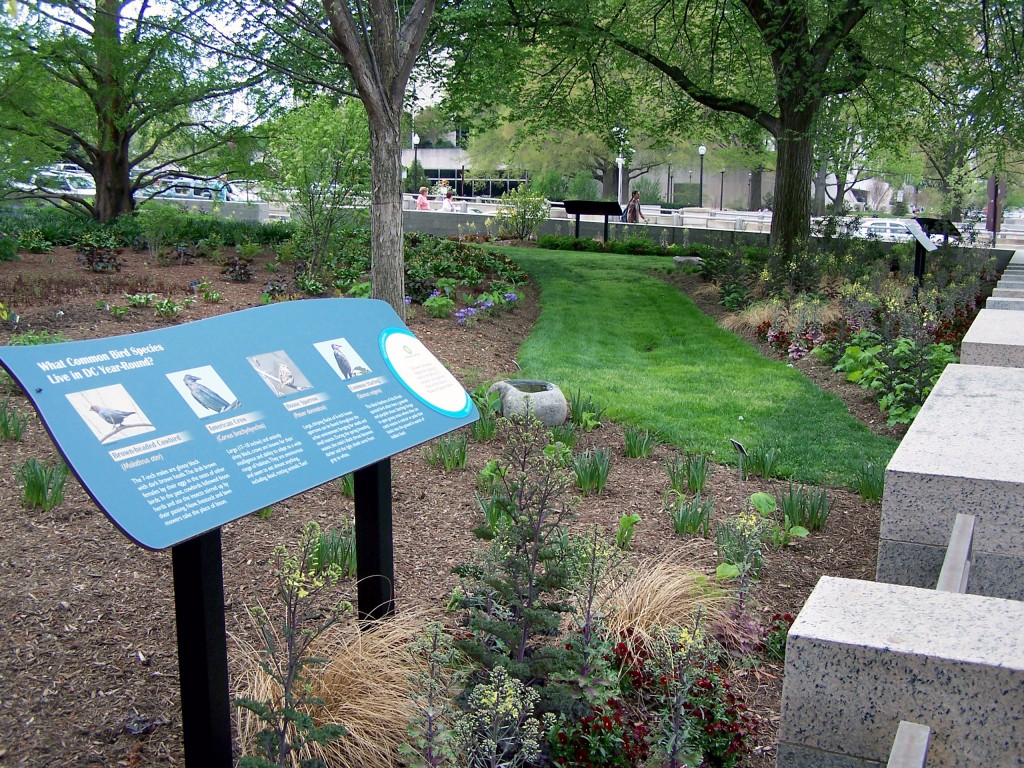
644 351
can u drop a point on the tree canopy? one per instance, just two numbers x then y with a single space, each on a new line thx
108 84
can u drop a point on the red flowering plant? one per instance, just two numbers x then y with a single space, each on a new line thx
607 737
697 719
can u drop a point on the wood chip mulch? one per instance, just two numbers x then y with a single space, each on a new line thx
88 661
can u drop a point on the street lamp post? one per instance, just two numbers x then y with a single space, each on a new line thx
620 161
701 150
415 158
721 194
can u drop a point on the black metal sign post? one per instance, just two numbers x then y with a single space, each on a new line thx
592 208
923 244
375 556
202 651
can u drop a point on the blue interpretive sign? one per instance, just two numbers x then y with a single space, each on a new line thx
176 431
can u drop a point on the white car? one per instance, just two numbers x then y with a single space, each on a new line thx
60 183
893 231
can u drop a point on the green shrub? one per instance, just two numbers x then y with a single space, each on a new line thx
519 214
900 374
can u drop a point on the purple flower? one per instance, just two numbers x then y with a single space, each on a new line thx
436 293
464 315
408 300
511 297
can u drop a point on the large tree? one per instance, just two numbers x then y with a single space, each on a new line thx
107 84
365 49
771 63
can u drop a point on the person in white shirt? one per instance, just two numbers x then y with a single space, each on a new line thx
448 204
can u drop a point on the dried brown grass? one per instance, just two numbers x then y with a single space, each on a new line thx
366 684
661 596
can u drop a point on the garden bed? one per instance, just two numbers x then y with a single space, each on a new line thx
88 663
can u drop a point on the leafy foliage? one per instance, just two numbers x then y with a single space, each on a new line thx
519 213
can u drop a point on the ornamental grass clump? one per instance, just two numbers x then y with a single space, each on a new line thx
12 423
584 412
690 516
361 682
42 485
656 597
592 467
805 507
335 548
639 443
871 481
447 451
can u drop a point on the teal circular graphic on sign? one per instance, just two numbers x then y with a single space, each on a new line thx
423 374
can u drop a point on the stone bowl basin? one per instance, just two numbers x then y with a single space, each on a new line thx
540 399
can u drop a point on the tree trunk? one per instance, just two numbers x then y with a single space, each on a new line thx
113 183
756 179
110 162
791 222
609 183
387 273
820 185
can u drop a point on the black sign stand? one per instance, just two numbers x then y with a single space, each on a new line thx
375 555
930 226
592 208
202 651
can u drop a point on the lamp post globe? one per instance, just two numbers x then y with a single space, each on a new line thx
701 150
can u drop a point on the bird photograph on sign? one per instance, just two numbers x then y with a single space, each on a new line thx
110 413
204 391
342 358
280 373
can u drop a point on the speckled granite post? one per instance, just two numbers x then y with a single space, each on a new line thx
862 656
1009 293
963 453
996 302
995 338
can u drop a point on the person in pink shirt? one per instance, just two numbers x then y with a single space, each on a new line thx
423 202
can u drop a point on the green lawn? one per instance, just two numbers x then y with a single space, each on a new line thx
643 349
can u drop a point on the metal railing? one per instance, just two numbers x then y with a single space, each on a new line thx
910 747
956 566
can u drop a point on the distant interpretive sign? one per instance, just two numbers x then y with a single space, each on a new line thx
177 431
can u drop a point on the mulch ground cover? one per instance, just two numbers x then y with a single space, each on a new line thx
88 661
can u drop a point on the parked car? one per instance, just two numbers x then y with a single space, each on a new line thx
170 187
61 183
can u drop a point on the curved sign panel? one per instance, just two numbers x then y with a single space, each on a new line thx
177 431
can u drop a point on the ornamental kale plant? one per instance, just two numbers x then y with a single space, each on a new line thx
498 729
